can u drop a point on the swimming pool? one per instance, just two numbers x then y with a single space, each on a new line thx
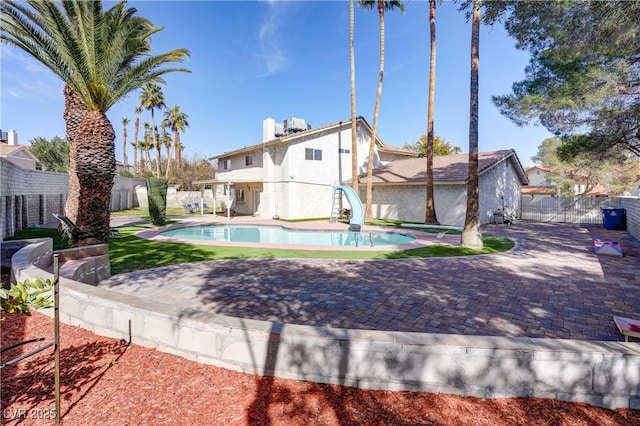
280 235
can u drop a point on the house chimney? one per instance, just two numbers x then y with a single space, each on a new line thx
268 129
12 138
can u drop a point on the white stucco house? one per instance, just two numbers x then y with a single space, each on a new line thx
292 176
399 189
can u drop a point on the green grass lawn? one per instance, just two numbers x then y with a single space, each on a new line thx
130 253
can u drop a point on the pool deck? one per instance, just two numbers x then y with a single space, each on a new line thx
552 284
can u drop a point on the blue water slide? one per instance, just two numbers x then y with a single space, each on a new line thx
357 209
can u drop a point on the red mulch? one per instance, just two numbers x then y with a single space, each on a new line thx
105 382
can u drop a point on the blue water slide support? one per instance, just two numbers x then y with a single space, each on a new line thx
357 209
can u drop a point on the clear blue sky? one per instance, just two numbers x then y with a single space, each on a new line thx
253 60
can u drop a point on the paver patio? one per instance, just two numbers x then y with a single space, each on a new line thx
551 285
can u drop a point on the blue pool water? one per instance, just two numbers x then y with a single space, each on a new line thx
279 235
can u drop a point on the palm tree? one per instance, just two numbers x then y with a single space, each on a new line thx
382 6
100 56
176 121
136 126
125 121
471 236
354 135
430 214
152 98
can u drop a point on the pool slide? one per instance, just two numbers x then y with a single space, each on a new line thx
357 210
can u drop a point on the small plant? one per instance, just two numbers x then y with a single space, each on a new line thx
23 295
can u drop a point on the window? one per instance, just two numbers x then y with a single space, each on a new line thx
313 154
248 160
225 165
240 195
344 151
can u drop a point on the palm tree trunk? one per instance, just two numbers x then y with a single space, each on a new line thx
135 160
368 212
176 151
96 168
136 127
430 215
124 148
354 135
74 113
471 236
166 173
148 152
156 143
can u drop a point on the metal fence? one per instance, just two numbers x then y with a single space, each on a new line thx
584 210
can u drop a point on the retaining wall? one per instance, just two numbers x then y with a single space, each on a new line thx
600 373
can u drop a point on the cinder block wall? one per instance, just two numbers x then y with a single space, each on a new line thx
30 197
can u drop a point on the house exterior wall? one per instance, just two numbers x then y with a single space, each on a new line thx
292 186
538 177
237 168
499 188
408 202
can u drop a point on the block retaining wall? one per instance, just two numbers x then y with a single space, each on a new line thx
600 373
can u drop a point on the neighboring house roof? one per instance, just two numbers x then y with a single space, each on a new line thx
23 151
305 134
541 168
539 190
446 168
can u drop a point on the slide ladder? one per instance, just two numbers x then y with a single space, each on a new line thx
335 205
356 220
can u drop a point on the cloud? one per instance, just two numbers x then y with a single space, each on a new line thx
271 52
26 79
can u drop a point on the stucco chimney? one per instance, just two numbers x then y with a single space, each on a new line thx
12 138
268 129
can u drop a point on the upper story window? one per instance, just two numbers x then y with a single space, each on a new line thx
248 160
313 154
226 164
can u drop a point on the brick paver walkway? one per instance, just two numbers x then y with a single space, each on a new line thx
552 285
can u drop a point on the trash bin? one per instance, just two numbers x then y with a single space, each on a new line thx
614 218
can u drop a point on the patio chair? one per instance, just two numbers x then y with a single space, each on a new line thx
188 208
68 225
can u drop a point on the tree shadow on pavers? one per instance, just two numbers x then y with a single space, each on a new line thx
485 295
81 369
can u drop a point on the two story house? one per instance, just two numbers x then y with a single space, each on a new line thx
291 174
